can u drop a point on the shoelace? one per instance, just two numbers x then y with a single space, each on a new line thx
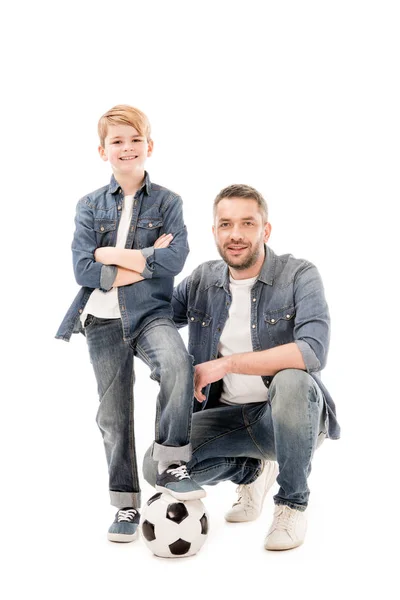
126 515
244 495
180 472
285 518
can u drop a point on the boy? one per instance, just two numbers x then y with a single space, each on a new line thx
129 243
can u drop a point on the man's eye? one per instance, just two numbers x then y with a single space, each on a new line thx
224 224
248 223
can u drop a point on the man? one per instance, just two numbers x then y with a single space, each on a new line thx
259 335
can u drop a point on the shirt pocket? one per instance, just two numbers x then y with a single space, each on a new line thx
199 327
105 231
148 230
280 325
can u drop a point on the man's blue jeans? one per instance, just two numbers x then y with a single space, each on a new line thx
230 441
161 347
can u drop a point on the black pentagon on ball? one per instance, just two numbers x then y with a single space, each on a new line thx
148 530
204 524
153 498
177 512
179 547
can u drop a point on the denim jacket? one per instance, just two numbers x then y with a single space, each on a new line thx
287 305
156 210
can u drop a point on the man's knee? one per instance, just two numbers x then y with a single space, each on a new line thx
293 385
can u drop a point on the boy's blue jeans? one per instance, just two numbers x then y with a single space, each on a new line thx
161 347
229 441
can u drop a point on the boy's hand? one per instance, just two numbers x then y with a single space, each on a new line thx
164 240
105 255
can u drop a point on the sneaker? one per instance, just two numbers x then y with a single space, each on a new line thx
288 528
251 496
124 528
176 481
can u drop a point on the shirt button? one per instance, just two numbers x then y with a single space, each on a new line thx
254 299
288 316
203 323
192 318
219 329
80 311
119 207
132 228
272 320
102 228
150 224
122 307
135 202
253 326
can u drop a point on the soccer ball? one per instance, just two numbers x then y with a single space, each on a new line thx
174 528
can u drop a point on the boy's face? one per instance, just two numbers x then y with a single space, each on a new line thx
126 150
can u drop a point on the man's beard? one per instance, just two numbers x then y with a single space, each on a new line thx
242 263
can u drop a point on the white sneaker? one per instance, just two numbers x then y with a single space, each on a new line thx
251 496
288 528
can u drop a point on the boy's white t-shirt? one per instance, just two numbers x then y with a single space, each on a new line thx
105 304
235 339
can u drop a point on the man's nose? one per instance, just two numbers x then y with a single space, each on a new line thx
236 232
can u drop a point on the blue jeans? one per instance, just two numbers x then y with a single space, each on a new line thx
161 347
229 442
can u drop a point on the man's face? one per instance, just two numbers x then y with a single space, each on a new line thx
126 150
240 234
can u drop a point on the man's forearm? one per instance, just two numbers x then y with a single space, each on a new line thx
266 362
126 277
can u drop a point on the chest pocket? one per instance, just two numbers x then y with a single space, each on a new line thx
199 327
105 231
280 325
148 230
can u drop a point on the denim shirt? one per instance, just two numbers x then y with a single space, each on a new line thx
287 305
156 210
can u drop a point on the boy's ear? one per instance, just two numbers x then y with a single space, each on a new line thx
102 153
150 146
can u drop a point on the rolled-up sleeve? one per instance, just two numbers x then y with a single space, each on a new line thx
312 321
168 262
88 272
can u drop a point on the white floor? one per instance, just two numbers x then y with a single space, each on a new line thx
57 514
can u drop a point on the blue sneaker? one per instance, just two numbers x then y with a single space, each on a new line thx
124 528
176 481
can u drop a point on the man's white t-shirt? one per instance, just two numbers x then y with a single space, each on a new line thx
105 304
235 339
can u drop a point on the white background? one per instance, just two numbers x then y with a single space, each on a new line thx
298 99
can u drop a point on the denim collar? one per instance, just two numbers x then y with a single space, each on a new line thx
114 185
266 275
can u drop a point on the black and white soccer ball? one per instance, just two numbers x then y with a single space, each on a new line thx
174 528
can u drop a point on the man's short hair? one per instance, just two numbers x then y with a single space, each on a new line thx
243 191
123 114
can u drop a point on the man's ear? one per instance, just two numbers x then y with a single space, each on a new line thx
267 231
150 146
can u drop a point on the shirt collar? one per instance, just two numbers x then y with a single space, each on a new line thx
115 187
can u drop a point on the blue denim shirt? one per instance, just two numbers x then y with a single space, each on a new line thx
287 305
156 210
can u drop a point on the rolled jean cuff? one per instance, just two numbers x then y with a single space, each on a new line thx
125 499
300 507
168 454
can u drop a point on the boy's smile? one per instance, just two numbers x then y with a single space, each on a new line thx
126 150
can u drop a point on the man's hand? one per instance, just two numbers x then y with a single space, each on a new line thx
209 372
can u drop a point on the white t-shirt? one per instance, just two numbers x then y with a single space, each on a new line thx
105 304
235 339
